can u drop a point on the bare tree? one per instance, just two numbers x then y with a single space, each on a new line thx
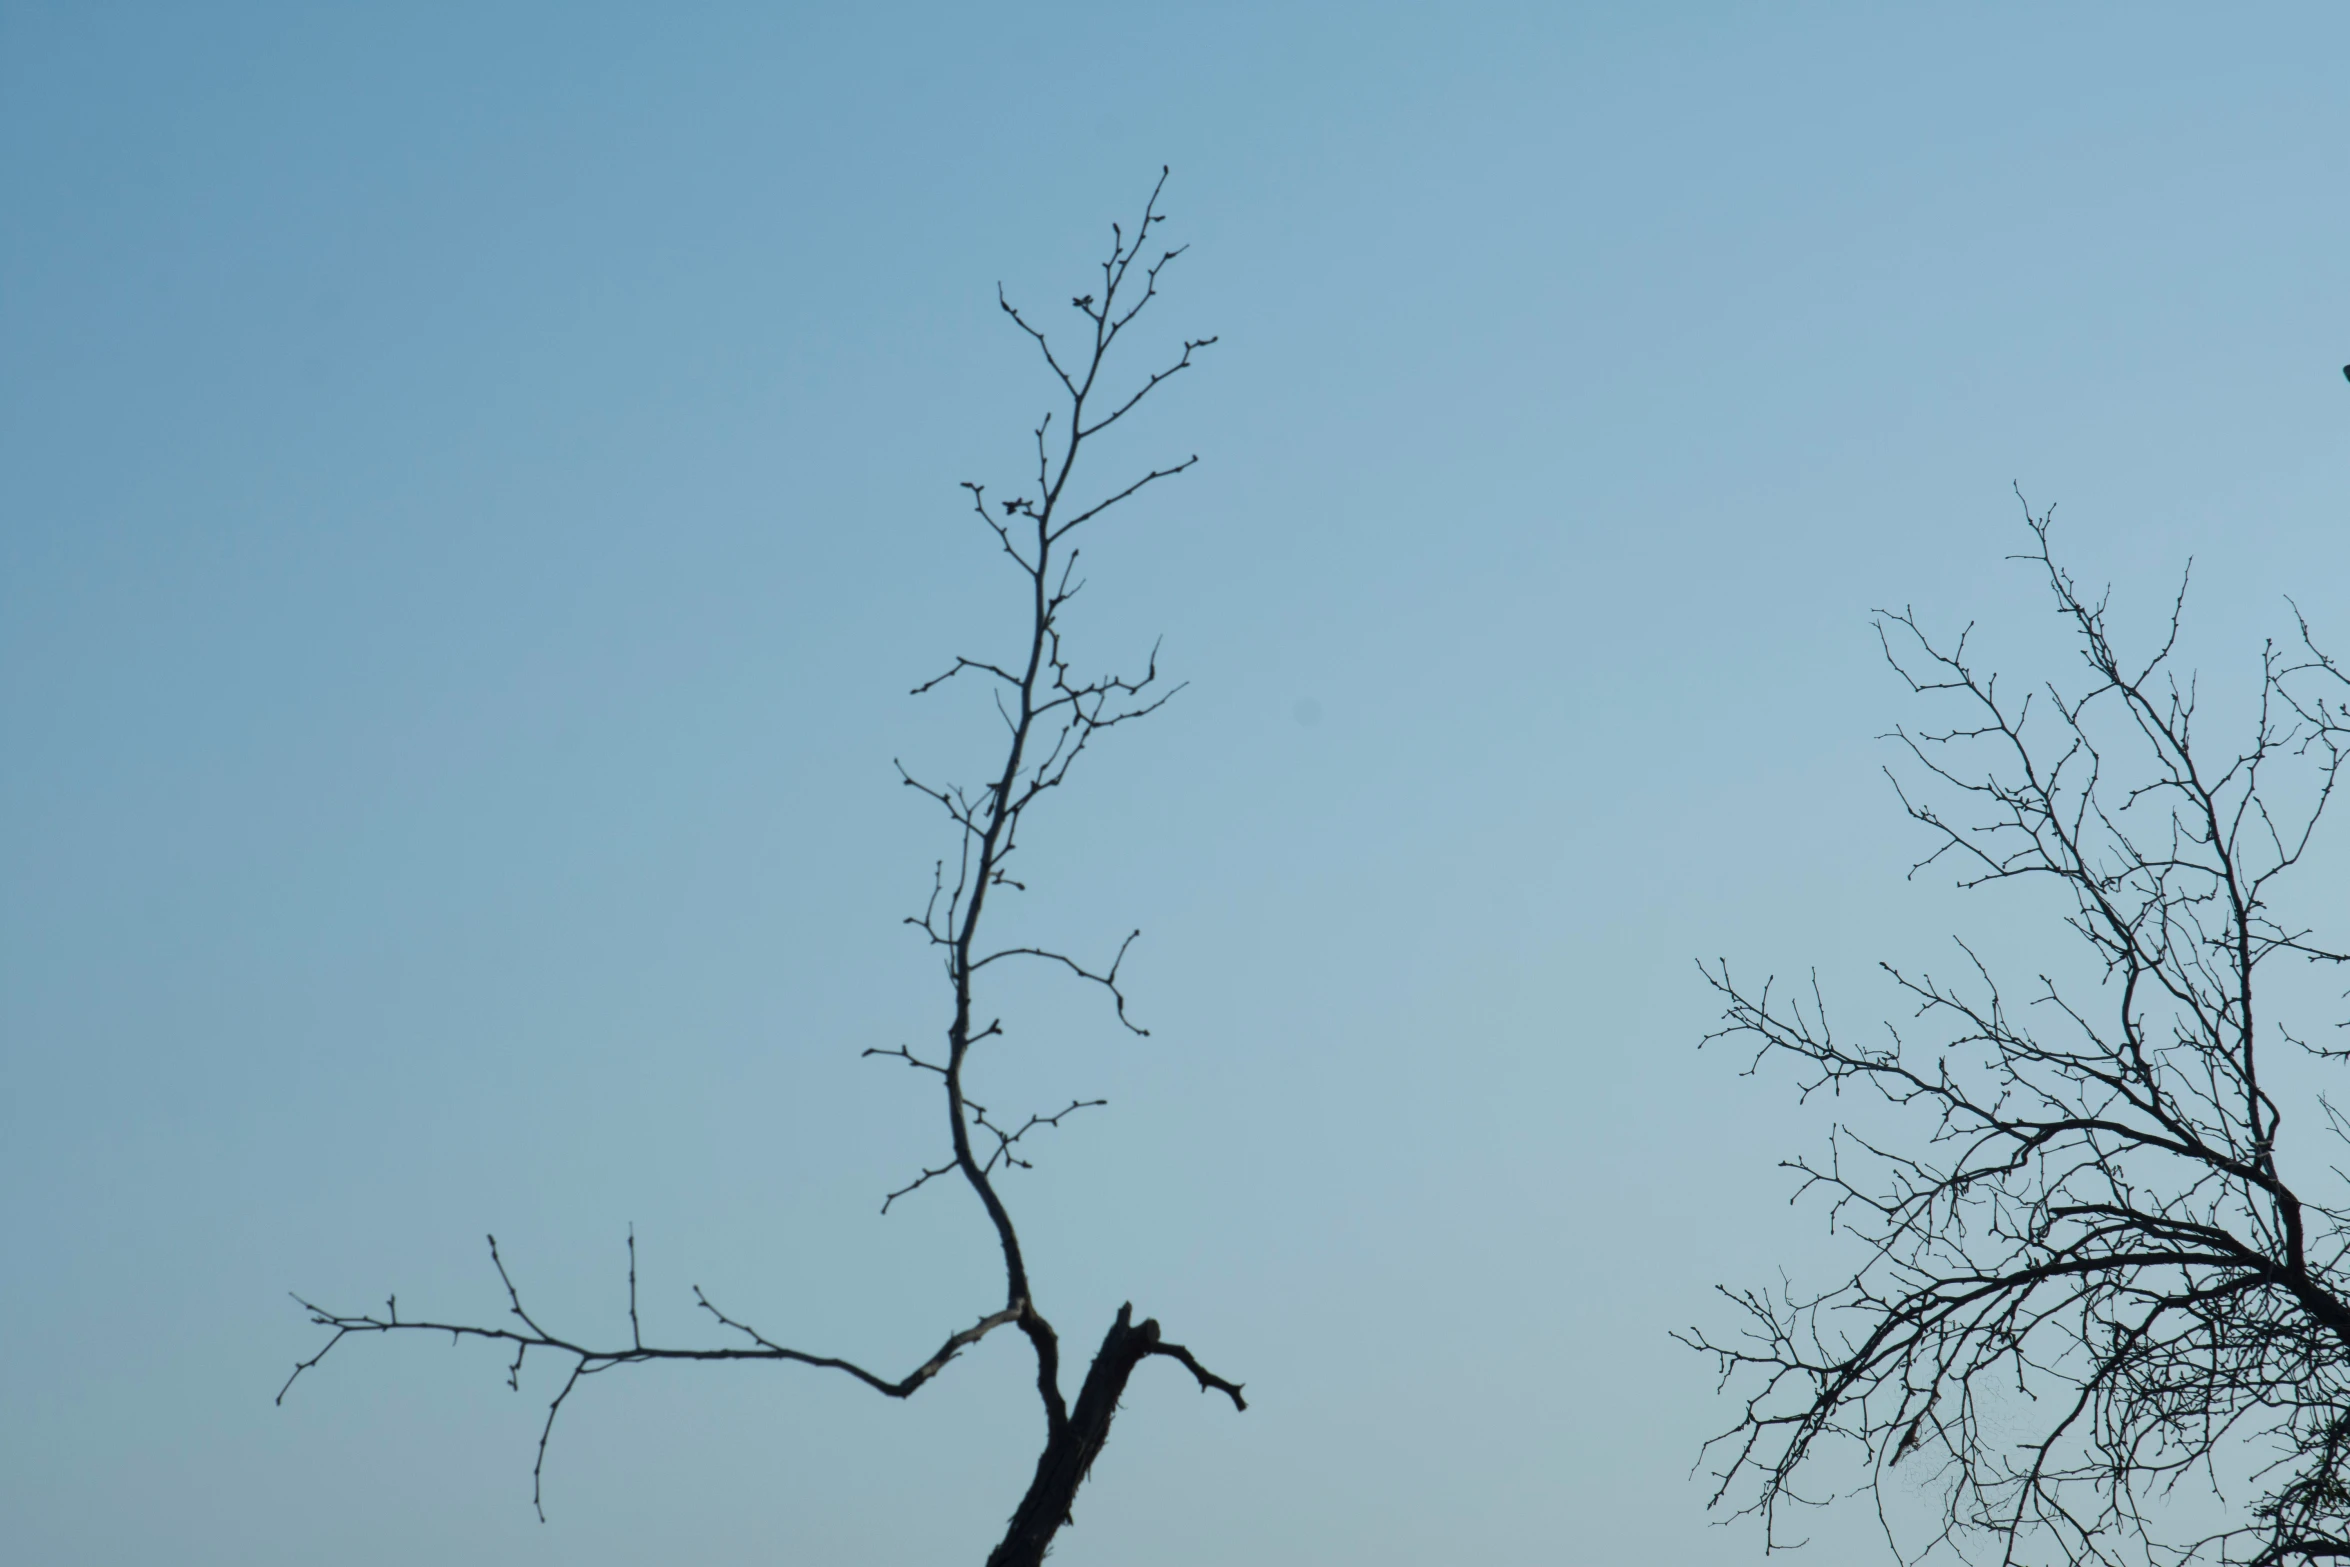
1051 715
2095 1300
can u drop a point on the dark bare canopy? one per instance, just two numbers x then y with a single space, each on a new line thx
1051 715
2098 1313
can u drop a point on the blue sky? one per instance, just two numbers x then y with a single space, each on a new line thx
476 484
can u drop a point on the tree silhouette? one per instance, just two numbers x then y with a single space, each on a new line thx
2093 1288
1051 716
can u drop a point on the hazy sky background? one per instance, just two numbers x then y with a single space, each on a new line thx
477 482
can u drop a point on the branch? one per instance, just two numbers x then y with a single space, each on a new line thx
588 1360
1208 1380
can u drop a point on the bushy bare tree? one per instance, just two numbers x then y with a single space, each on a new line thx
2098 1313
1051 714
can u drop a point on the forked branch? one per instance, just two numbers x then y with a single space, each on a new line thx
1051 717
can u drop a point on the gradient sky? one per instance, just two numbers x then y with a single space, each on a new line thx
477 482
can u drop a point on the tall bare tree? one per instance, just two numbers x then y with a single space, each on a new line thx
1051 715
2099 1312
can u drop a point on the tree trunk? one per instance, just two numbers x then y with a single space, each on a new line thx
1069 1454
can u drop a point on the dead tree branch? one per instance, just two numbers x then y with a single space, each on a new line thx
1052 715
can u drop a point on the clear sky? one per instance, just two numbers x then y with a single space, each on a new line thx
477 482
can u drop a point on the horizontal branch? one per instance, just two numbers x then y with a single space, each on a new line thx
1107 979
588 1360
